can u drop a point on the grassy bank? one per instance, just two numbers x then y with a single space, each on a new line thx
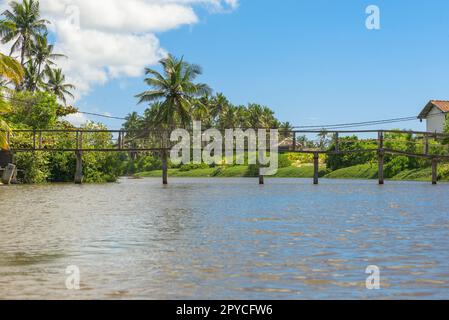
234 172
365 172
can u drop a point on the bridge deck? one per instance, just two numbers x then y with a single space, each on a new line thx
82 141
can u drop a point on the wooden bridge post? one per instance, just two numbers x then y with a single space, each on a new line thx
316 168
434 171
337 142
79 168
119 141
381 140
164 167
40 140
294 141
8 174
79 158
34 139
381 166
261 180
426 144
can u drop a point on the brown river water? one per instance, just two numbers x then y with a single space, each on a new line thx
225 239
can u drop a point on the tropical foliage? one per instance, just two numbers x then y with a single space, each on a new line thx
176 90
10 70
34 94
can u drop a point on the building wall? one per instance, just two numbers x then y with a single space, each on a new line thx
435 121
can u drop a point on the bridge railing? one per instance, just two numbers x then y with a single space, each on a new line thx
323 141
427 145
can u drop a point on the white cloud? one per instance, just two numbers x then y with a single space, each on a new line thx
76 119
109 39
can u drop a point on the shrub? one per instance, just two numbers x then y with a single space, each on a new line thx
192 166
284 161
339 161
396 166
33 167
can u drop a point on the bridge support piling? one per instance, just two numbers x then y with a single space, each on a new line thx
261 179
79 168
164 167
8 174
316 168
381 167
434 171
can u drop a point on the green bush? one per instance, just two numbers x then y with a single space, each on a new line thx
33 167
192 166
284 161
149 163
396 166
339 161
37 110
61 166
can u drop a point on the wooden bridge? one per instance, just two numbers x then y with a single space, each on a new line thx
83 141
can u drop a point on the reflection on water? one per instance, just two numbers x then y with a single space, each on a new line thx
225 239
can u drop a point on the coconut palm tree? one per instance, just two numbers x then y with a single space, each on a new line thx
31 78
175 89
10 70
286 130
4 128
56 84
42 56
22 25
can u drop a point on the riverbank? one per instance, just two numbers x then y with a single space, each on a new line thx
360 172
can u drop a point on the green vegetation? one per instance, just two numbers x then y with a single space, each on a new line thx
363 171
233 172
35 95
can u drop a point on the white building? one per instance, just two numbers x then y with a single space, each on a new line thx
435 114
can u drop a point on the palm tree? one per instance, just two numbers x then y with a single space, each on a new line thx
176 89
323 136
4 128
57 85
286 130
42 57
22 25
31 78
261 117
11 70
241 117
133 122
267 119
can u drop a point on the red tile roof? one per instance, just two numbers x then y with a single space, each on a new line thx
442 105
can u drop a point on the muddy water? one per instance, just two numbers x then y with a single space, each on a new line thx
225 239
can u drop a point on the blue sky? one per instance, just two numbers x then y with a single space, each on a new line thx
313 62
